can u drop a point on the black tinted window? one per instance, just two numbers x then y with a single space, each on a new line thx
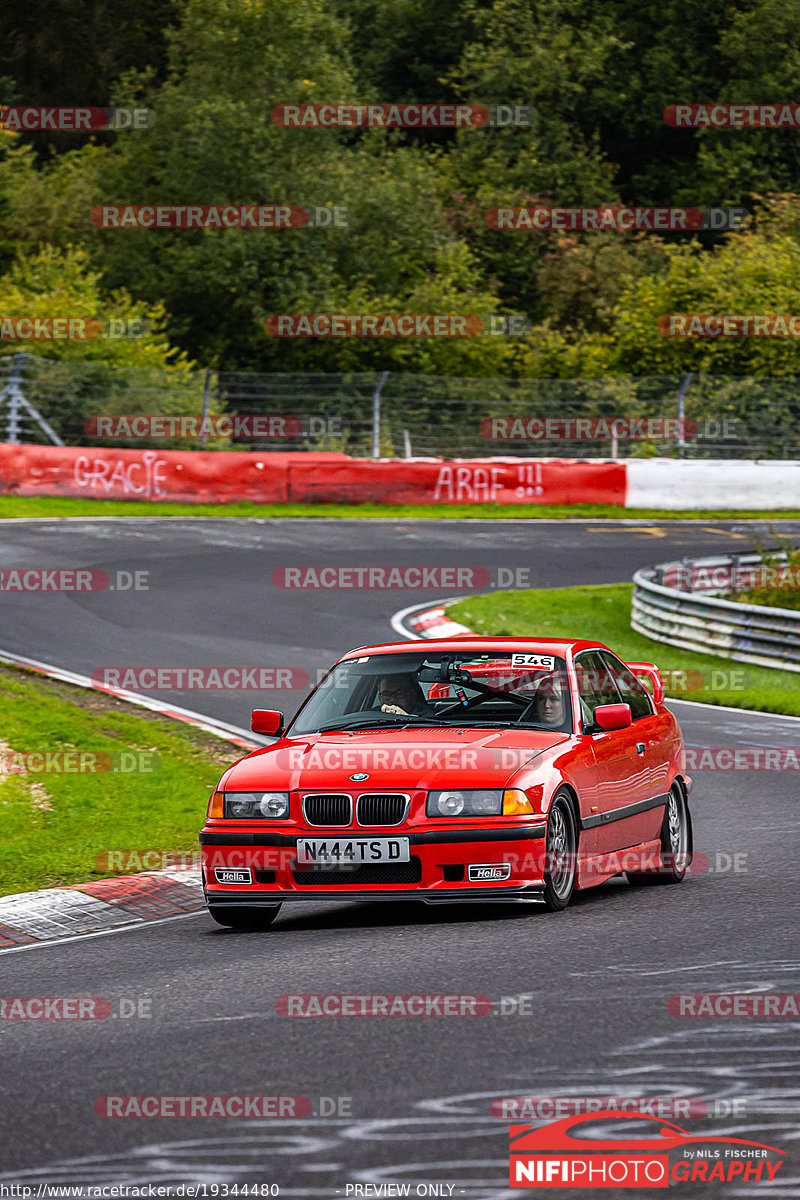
595 684
630 689
450 688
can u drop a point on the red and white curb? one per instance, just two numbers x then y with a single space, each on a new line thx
426 621
94 907
105 904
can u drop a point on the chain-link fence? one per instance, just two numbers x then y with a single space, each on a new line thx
399 415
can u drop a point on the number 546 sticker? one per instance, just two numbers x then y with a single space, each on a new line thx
545 661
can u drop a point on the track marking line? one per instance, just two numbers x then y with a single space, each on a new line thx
652 530
725 532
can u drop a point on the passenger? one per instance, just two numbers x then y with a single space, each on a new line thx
549 707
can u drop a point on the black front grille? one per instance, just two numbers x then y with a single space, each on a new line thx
410 872
380 810
332 809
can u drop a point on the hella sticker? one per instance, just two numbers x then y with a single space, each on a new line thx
232 875
478 872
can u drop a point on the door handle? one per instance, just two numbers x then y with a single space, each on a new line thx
640 747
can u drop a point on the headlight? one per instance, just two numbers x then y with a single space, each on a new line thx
472 802
255 805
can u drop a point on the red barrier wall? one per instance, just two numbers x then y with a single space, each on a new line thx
276 478
474 481
190 475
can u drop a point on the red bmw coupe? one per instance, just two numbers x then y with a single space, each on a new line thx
463 769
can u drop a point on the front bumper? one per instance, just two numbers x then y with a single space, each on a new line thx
438 871
472 895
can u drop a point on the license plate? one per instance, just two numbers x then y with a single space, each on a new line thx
349 852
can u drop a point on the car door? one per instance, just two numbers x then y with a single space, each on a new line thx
653 746
621 772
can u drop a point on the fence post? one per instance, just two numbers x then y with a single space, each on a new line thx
376 416
13 388
206 391
17 403
687 379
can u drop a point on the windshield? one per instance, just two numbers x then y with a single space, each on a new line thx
498 689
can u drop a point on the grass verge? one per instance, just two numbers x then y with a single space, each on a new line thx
74 506
603 612
54 824
784 593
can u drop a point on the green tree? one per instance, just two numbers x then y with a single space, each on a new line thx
72 52
70 380
214 143
553 59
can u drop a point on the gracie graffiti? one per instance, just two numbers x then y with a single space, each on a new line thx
139 477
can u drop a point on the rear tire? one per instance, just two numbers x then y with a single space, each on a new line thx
561 854
676 844
244 916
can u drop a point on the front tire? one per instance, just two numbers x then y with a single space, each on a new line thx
244 916
561 854
676 844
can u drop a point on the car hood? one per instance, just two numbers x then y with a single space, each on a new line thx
402 759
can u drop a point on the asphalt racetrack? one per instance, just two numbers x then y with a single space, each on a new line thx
408 1099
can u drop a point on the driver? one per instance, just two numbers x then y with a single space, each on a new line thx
549 703
402 694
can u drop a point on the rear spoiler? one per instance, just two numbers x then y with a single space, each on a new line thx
651 671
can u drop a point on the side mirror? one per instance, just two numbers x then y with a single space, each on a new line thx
269 721
612 716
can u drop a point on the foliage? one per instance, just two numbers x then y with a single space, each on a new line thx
71 379
595 81
56 828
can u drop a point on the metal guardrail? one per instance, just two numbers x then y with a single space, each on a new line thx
704 622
